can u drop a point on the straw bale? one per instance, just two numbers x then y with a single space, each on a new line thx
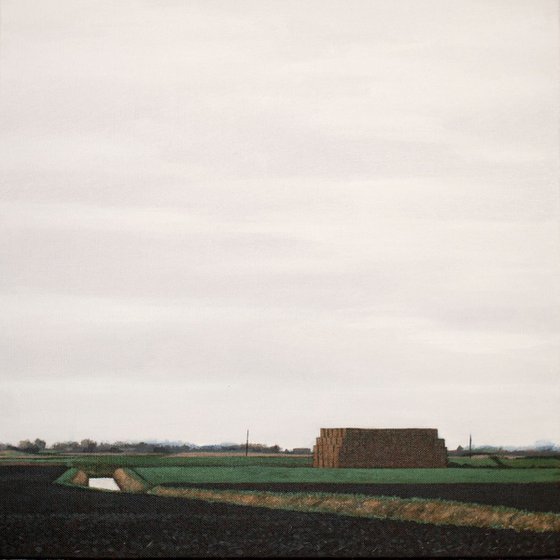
379 448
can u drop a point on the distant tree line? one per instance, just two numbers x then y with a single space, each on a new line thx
92 446
87 445
541 450
26 446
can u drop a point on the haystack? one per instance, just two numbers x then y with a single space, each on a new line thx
379 448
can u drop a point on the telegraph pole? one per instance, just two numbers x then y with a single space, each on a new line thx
247 445
470 445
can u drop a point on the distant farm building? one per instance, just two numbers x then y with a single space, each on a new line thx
379 448
301 451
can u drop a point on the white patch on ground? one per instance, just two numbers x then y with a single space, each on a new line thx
103 484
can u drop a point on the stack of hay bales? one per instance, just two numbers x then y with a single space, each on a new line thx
379 448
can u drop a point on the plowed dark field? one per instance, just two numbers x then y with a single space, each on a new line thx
39 519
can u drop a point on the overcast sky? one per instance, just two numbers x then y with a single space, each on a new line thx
279 215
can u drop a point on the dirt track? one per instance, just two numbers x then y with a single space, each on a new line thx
39 519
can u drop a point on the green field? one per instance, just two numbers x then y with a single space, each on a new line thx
225 474
531 462
286 468
151 460
189 462
507 463
47 457
486 462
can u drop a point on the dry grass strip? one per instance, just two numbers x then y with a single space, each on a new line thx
437 512
80 479
129 481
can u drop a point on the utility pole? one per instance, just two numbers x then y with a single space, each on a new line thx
247 445
470 445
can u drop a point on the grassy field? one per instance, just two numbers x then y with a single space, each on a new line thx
485 462
531 462
116 460
507 462
258 474
283 462
276 468
47 458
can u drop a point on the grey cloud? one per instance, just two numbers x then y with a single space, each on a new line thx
344 214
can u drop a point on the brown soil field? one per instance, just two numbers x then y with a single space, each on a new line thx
41 519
